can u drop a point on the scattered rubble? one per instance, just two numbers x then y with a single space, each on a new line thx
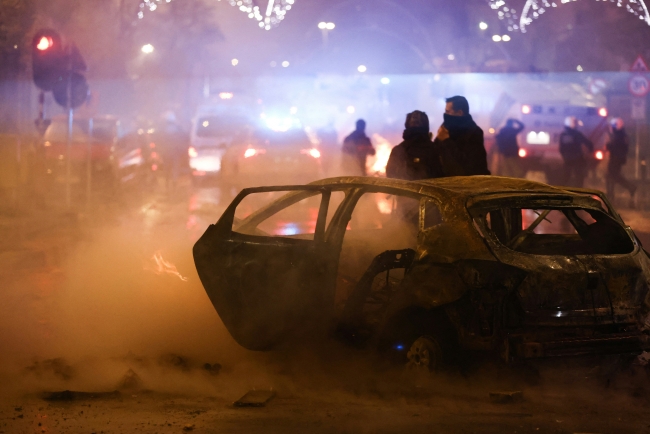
255 398
70 395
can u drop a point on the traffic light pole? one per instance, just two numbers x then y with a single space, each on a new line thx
68 195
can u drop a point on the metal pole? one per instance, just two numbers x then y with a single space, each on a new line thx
68 198
637 148
89 161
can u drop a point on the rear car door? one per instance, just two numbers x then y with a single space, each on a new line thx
266 265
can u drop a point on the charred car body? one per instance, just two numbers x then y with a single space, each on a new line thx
421 269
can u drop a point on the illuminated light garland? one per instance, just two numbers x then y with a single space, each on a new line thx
268 16
533 9
150 5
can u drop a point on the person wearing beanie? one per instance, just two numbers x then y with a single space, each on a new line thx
356 148
459 143
414 158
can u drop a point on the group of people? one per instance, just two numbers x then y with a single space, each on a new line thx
458 149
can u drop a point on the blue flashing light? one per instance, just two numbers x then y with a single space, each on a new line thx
399 347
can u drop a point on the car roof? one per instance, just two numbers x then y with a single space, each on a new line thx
458 187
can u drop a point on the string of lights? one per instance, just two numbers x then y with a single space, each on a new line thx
267 16
534 9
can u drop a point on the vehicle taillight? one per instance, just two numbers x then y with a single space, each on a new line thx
599 155
251 152
603 112
154 167
525 109
192 152
522 153
313 152
152 145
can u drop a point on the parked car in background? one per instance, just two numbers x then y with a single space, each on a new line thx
265 156
211 136
422 269
94 142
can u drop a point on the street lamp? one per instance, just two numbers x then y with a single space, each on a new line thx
496 38
482 25
505 38
325 28
234 62
147 49
362 68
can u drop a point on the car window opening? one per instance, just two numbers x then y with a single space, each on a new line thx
559 231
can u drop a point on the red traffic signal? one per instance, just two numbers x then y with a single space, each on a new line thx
48 59
44 43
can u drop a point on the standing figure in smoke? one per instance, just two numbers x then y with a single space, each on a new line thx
415 157
459 143
356 148
572 145
509 162
618 148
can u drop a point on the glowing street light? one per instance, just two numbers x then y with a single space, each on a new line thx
496 38
147 49
285 64
505 38
234 62
362 68
330 26
326 26
482 25
385 80
579 68
451 57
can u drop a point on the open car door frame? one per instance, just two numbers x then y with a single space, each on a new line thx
267 289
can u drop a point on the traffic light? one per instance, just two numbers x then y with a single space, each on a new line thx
48 59
58 68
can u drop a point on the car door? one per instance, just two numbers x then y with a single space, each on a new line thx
267 269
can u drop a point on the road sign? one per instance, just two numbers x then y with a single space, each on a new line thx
638 109
639 65
639 85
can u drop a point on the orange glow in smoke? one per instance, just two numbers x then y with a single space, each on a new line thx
165 267
522 153
599 155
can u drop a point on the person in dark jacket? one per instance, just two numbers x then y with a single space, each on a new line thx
459 143
356 148
618 148
572 143
415 157
506 140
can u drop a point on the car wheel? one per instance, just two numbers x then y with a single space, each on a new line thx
425 354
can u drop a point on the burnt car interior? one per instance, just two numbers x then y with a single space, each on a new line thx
377 252
558 231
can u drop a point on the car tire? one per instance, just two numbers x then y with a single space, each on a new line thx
425 355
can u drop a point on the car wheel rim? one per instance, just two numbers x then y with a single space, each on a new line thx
423 354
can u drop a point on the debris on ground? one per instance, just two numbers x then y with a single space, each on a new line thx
130 381
70 395
212 368
506 397
255 398
188 427
175 361
58 367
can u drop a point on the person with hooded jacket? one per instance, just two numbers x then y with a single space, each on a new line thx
356 148
618 148
571 146
459 142
415 157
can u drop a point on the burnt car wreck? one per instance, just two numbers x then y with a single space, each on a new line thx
420 269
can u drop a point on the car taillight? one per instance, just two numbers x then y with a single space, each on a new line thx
599 155
313 152
192 152
522 153
251 152
154 167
